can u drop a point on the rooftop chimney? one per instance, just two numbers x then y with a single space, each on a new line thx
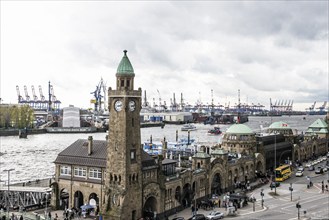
90 145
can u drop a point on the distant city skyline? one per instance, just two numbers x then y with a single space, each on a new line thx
272 49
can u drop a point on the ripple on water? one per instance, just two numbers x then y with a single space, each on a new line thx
29 160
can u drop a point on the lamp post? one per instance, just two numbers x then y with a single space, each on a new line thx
46 213
274 162
291 189
298 206
8 202
262 195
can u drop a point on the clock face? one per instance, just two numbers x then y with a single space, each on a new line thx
118 105
132 105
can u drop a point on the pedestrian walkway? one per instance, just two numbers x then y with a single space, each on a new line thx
40 215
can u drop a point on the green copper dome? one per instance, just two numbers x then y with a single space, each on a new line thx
125 66
279 125
239 129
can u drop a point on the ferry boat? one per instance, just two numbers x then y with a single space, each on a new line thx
183 146
215 131
188 127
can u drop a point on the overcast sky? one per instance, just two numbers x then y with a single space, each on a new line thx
275 49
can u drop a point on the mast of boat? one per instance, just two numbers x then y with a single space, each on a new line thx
212 103
239 106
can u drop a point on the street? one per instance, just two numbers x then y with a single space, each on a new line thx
314 204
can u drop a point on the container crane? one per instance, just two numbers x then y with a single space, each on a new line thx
35 99
26 94
55 104
43 101
42 98
20 98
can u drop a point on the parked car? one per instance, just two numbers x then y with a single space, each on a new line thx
319 170
311 168
308 165
179 218
301 168
299 173
215 215
325 169
198 217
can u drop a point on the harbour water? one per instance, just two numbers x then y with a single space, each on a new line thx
32 158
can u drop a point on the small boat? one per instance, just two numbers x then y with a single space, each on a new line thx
215 131
22 133
188 127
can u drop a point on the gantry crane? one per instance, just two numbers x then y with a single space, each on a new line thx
20 98
27 97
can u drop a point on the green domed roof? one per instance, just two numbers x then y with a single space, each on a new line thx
279 125
125 66
239 129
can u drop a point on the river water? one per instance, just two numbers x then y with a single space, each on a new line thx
33 158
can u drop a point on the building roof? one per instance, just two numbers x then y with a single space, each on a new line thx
317 131
279 125
319 123
168 161
218 151
125 66
77 154
239 129
201 155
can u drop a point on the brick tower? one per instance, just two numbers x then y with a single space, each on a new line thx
123 172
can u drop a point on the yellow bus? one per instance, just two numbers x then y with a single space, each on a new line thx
282 173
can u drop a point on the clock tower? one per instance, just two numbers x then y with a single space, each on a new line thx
123 169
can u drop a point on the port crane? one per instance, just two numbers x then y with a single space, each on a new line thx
145 103
39 104
322 107
35 98
27 97
54 103
311 108
20 98
99 94
44 103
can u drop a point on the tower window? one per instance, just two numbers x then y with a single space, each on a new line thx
133 156
128 83
122 83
